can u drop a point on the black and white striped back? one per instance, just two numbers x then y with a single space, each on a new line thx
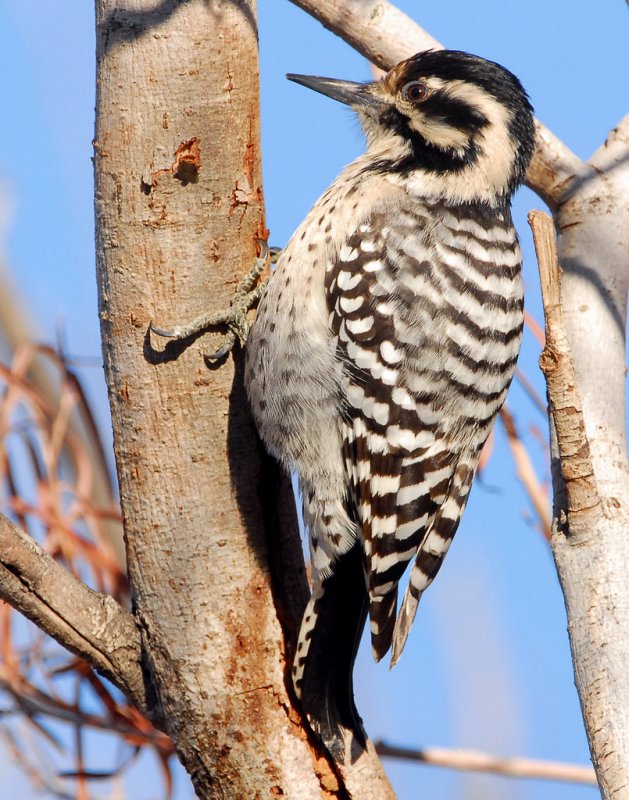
427 309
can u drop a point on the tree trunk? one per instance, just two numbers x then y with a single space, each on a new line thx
179 211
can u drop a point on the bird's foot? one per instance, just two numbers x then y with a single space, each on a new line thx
245 298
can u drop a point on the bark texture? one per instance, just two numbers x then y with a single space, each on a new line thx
179 210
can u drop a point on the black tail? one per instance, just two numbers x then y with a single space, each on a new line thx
328 641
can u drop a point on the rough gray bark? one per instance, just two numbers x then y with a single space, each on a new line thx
178 210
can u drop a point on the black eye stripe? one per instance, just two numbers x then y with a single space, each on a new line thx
423 153
453 112
443 108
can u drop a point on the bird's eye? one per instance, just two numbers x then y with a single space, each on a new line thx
415 92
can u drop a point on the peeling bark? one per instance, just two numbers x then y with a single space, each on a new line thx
583 504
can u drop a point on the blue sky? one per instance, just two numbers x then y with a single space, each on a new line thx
488 664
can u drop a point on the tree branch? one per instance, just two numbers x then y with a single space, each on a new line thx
89 624
475 761
563 395
377 29
385 35
553 169
614 152
584 365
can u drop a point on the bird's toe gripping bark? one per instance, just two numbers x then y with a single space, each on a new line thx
234 318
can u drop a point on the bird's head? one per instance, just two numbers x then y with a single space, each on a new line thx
456 125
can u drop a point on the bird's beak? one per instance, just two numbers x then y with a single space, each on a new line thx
348 92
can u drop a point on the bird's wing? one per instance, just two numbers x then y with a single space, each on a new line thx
385 304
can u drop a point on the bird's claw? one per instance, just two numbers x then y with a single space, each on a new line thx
235 318
166 334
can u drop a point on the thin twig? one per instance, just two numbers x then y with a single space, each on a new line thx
31 702
19 329
34 769
483 762
531 392
526 473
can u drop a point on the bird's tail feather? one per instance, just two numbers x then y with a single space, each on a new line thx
403 624
326 650
382 611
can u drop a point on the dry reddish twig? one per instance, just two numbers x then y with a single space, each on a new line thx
535 328
43 426
531 392
17 330
47 475
526 474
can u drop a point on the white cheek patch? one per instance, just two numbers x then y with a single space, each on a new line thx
496 149
435 131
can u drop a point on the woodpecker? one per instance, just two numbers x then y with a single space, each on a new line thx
382 350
